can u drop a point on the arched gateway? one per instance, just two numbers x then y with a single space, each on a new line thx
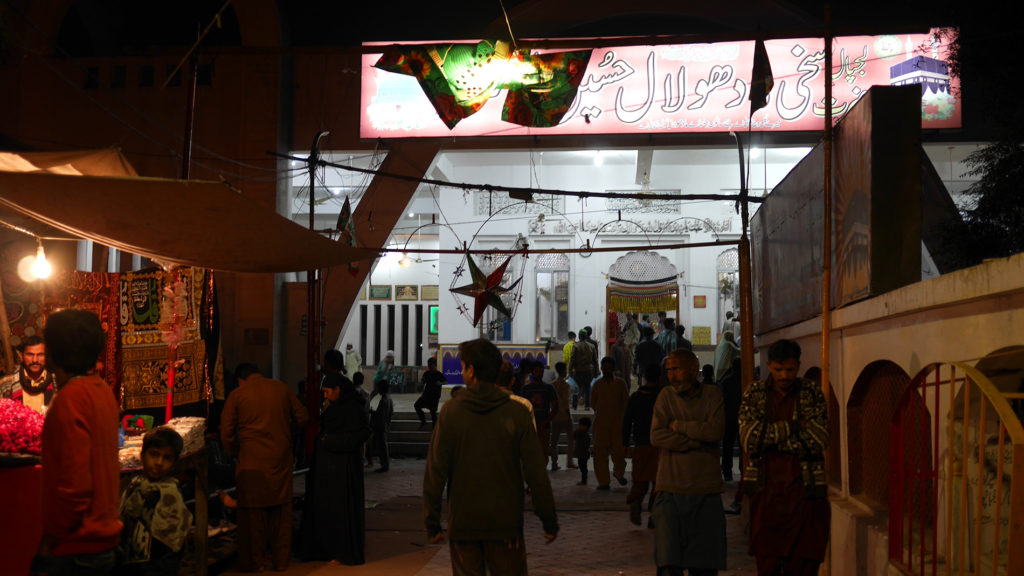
642 282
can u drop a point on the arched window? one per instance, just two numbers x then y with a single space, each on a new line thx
874 400
552 297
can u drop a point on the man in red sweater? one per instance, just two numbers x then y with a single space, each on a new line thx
81 526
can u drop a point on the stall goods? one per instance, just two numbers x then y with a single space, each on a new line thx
21 428
192 430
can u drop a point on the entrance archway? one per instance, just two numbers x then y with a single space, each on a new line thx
640 282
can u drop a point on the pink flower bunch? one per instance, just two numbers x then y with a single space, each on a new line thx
21 428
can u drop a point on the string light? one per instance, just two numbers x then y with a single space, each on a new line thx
41 268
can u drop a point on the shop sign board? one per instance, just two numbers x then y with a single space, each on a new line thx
698 88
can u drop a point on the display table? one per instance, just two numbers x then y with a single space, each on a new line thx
197 464
21 499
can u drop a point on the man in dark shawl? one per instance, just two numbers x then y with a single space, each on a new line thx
784 431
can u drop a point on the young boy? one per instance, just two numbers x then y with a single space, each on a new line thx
381 409
581 439
155 518
431 396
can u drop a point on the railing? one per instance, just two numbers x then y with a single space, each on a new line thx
956 492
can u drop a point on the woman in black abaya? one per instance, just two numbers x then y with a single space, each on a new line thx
333 516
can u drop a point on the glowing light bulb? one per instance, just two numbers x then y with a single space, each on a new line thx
405 262
41 268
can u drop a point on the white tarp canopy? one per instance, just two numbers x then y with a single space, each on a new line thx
97 195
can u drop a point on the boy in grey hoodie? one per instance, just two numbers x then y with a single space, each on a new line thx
484 447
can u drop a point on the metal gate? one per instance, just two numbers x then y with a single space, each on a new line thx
956 461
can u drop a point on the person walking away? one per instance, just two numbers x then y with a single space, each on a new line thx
484 449
727 350
784 432
636 437
334 512
581 438
609 402
731 324
731 384
433 382
156 520
631 333
382 407
81 527
544 400
659 325
707 374
689 520
648 352
567 349
353 360
681 340
562 422
582 364
623 360
257 424
667 337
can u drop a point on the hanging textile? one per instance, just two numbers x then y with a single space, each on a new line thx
99 293
645 297
144 355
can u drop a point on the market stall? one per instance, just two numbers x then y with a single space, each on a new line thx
156 355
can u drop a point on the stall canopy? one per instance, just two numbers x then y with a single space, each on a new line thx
98 196
642 282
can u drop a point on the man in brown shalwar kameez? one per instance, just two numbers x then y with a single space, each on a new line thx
784 432
257 424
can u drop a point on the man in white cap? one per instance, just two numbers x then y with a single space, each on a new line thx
385 370
353 360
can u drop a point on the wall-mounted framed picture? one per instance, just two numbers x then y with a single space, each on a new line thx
428 292
701 335
380 292
700 301
407 292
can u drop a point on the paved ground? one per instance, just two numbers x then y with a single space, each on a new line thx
596 537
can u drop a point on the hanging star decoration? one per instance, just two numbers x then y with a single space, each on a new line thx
486 290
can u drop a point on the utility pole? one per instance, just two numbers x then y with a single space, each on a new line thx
313 310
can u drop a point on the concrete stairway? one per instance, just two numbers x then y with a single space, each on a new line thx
405 438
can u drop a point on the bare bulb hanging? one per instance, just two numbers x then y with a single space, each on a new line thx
41 268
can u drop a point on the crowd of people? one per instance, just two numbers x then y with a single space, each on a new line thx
491 446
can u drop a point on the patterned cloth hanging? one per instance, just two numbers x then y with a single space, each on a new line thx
643 297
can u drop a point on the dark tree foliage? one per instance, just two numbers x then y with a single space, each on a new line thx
994 209
994 214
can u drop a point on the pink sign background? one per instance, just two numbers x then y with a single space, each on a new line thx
691 88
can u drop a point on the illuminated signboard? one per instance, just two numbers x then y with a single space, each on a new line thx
691 88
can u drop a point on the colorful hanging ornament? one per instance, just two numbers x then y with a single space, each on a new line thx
486 290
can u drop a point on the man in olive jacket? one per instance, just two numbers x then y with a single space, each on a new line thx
484 447
688 423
